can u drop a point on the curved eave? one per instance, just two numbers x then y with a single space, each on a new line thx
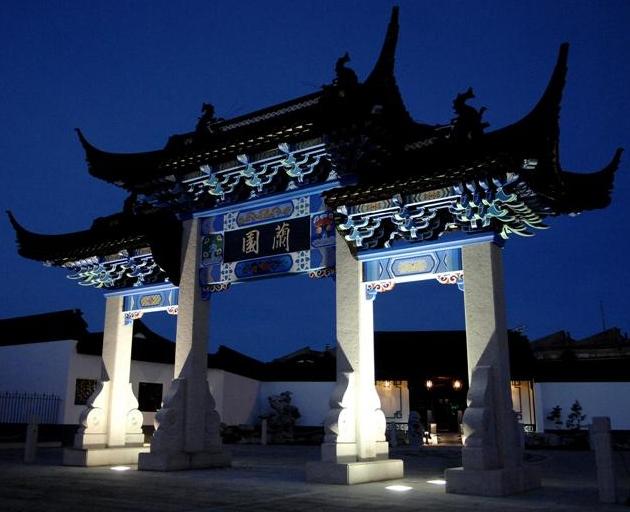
121 169
161 232
255 131
537 134
588 191
58 249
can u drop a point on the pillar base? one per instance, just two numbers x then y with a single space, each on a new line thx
491 482
354 472
103 456
182 460
347 452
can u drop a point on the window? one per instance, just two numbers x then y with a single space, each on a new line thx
83 389
149 396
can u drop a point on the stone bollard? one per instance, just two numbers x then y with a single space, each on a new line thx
263 431
30 445
393 435
601 444
434 434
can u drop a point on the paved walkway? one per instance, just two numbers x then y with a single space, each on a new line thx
271 478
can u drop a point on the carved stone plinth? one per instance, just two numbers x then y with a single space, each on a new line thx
125 455
93 441
168 447
95 428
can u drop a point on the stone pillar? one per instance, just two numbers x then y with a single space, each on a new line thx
355 449
492 456
111 424
601 444
187 426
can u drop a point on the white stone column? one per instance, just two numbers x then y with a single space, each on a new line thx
492 456
111 425
187 426
117 340
191 345
355 449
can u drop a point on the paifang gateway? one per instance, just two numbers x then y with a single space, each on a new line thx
386 177
341 182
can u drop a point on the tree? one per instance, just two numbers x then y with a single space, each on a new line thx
575 417
556 416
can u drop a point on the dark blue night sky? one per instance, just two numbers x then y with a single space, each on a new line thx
130 74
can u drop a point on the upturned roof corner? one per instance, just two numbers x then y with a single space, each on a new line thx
384 66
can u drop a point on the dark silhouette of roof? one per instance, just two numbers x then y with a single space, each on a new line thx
147 345
583 370
602 357
304 364
372 142
55 326
159 231
401 354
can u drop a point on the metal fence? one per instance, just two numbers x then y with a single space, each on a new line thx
21 407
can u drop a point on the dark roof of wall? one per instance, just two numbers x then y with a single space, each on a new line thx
55 326
399 355
425 354
304 364
147 345
402 355
151 347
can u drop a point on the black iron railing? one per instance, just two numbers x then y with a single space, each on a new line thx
22 407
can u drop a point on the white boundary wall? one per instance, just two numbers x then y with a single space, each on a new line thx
236 397
311 399
596 398
38 368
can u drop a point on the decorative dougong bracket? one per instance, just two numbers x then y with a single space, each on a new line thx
256 175
256 178
295 168
483 200
359 230
131 271
504 205
415 222
214 185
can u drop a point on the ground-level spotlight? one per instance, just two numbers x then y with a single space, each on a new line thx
437 481
120 468
398 488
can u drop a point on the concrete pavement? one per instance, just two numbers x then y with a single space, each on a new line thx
271 478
